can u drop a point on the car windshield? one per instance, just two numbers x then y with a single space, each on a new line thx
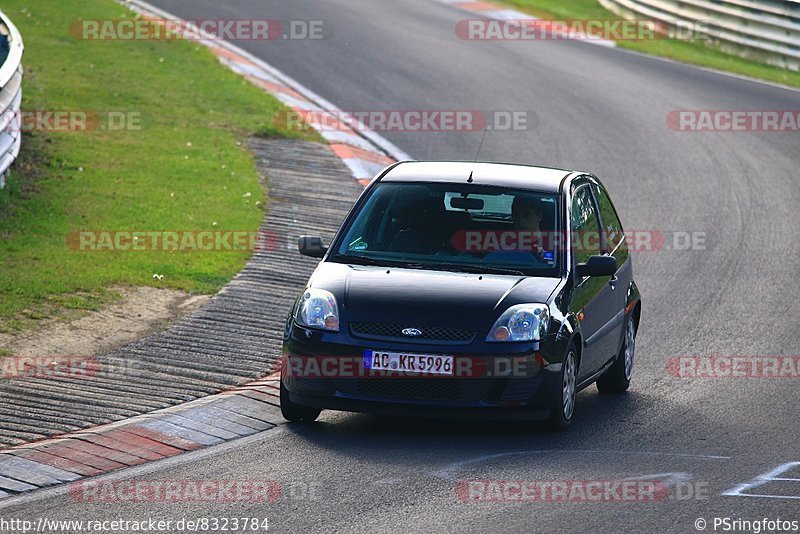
459 227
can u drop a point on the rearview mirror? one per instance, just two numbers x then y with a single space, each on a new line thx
311 245
466 203
598 266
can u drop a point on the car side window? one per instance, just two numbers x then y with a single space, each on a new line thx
584 224
612 228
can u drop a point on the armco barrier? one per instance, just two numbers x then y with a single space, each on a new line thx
763 30
10 95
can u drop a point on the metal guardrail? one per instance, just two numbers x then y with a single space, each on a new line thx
762 30
10 95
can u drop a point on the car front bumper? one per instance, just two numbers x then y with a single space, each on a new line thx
495 381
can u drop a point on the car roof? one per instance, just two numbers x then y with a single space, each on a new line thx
543 179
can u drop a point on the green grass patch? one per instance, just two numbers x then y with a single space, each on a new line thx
186 168
696 53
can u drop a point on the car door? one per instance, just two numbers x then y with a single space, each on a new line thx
593 299
615 244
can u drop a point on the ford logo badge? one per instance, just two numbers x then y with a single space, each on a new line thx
412 332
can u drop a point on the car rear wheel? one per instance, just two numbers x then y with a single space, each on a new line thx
564 405
618 377
298 413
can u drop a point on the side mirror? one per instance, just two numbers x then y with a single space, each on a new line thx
598 266
311 245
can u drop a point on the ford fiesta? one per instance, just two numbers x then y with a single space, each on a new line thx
465 290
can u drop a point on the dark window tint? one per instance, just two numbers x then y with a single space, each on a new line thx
456 227
585 239
612 228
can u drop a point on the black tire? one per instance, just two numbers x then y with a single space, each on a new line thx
564 401
617 378
294 412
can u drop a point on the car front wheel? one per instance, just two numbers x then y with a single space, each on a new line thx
298 413
618 377
564 405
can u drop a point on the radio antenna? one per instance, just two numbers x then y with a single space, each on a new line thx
478 153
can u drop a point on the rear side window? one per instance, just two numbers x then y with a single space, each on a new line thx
585 240
612 228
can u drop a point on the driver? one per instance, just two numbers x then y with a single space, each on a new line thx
526 215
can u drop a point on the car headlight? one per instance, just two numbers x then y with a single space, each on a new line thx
523 322
318 309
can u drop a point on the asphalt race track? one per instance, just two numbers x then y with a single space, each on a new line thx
591 108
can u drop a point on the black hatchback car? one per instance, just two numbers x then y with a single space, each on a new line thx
465 290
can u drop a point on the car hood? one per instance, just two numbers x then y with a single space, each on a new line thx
425 297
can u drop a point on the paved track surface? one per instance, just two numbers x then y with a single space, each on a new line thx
598 109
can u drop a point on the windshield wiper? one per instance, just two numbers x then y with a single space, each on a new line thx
477 269
364 260
359 260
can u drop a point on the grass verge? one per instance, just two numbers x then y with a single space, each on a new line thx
185 168
695 53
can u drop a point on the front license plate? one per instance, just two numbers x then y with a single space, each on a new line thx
436 364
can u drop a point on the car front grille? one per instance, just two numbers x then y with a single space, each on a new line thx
394 332
519 389
423 389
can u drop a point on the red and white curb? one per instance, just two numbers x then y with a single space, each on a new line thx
494 12
364 152
233 414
